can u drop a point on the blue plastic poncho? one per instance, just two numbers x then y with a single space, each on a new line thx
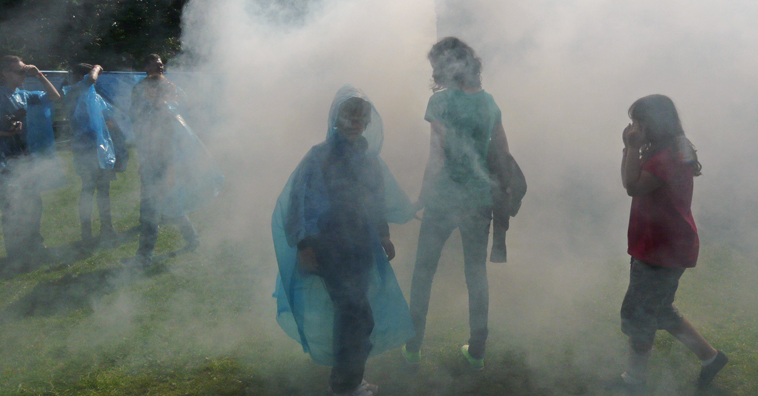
197 177
116 89
88 122
40 141
304 309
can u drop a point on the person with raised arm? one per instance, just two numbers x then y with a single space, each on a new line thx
658 166
20 199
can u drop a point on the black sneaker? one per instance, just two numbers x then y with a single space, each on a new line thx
708 372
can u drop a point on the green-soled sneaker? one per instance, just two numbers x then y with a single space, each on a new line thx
413 358
476 364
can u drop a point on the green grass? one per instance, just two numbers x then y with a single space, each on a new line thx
204 325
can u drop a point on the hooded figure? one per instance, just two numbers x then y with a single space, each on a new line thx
336 204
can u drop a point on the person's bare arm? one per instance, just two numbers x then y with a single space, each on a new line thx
52 93
14 130
389 248
94 74
636 181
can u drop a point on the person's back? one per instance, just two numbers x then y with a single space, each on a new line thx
468 119
457 188
355 189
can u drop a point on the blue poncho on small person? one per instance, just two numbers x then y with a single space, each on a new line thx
88 122
37 134
304 309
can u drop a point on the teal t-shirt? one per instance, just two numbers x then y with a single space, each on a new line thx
464 180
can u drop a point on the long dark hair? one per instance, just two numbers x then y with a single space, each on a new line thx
658 116
455 65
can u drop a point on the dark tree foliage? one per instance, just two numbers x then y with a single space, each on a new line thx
114 33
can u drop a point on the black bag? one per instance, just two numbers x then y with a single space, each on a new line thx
508 189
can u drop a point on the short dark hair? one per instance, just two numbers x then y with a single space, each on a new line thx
5 63
148 59
8 60
81 69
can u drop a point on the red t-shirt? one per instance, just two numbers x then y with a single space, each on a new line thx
662 231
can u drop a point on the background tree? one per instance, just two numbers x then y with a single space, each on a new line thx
114 33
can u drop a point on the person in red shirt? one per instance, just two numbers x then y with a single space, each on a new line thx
657 171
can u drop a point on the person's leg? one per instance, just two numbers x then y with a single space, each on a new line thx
435 230
347 284
672 321
475 228
645 309
9 223
192 241
149 216
85 207
639 355
103 185
691 338
22 217
35 243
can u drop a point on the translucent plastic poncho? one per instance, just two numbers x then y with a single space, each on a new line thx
304 309
40 140
116 89
197 178
88 122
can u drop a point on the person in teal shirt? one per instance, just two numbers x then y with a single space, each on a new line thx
456 191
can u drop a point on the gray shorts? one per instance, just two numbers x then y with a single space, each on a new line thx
648 304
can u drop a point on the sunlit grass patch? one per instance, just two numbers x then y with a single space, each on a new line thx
203 323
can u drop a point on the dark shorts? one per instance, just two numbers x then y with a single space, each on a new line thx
648 304
87 167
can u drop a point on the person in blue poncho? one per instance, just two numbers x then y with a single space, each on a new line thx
153 117
20 200
336 292
92 150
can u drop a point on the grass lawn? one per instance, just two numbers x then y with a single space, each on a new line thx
203 322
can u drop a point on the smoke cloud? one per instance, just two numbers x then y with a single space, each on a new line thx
563 74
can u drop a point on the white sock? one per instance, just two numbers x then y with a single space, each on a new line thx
630 379
709 361
635 374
